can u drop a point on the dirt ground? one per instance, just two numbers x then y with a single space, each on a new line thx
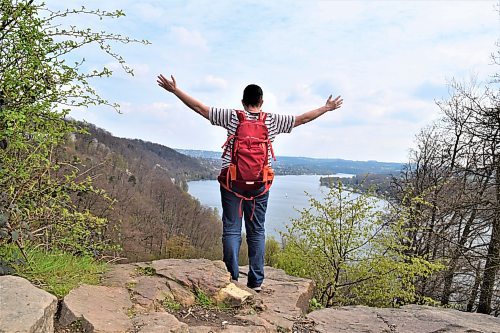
205 316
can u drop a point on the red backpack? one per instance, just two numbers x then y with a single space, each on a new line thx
249 168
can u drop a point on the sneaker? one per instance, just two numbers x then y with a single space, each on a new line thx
257 289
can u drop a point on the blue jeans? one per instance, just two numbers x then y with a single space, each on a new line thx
231 233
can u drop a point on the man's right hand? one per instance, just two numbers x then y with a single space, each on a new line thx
333 104
168 85
330 105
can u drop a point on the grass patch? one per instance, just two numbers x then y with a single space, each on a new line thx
224 306
131 312
131 285
76 326
170 304
203 299
281 329
314 305
147 271
55 271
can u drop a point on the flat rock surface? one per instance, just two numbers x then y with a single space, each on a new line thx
98 308
159 322
149 290
227 329
120 275
203 274
24 307
284 298
408 319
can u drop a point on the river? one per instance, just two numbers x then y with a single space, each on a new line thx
286 197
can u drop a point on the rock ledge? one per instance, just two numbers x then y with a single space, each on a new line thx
197 296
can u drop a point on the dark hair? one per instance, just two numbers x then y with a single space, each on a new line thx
252 95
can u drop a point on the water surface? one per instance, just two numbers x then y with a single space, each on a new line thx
287 195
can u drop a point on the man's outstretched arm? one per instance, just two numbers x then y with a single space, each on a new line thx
331 104
192 103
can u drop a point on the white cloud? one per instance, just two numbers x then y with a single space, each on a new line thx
271 103
210 83
215 81
148 12
190 38
389 60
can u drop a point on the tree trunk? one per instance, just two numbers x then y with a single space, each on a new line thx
493 256
475 289
448 281
448 277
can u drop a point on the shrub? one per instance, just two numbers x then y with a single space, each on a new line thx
353 251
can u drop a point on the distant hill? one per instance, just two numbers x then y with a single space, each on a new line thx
381 184
153 216
288 165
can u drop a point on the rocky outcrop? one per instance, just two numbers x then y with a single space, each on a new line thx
25 308
143 297
285 298
408 319
197 296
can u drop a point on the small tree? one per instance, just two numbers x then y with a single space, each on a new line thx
38 85
273 248
353 252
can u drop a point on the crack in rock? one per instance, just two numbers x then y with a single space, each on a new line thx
392 327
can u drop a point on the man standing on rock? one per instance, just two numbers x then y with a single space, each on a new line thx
234 200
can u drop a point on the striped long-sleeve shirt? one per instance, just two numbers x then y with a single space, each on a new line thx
228 118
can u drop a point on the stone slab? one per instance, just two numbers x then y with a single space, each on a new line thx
25 308
100 309
408 319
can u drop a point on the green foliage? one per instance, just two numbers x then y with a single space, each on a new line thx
179 247
273 248
55 271
203 299
131 312
147 271
243 253
353 252
76 326
224 305
314 304
131 285
281 329
38 183
170 304
429 301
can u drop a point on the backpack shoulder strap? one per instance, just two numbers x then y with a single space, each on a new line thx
241 115
262 116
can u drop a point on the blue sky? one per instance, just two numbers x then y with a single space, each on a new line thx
390 61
